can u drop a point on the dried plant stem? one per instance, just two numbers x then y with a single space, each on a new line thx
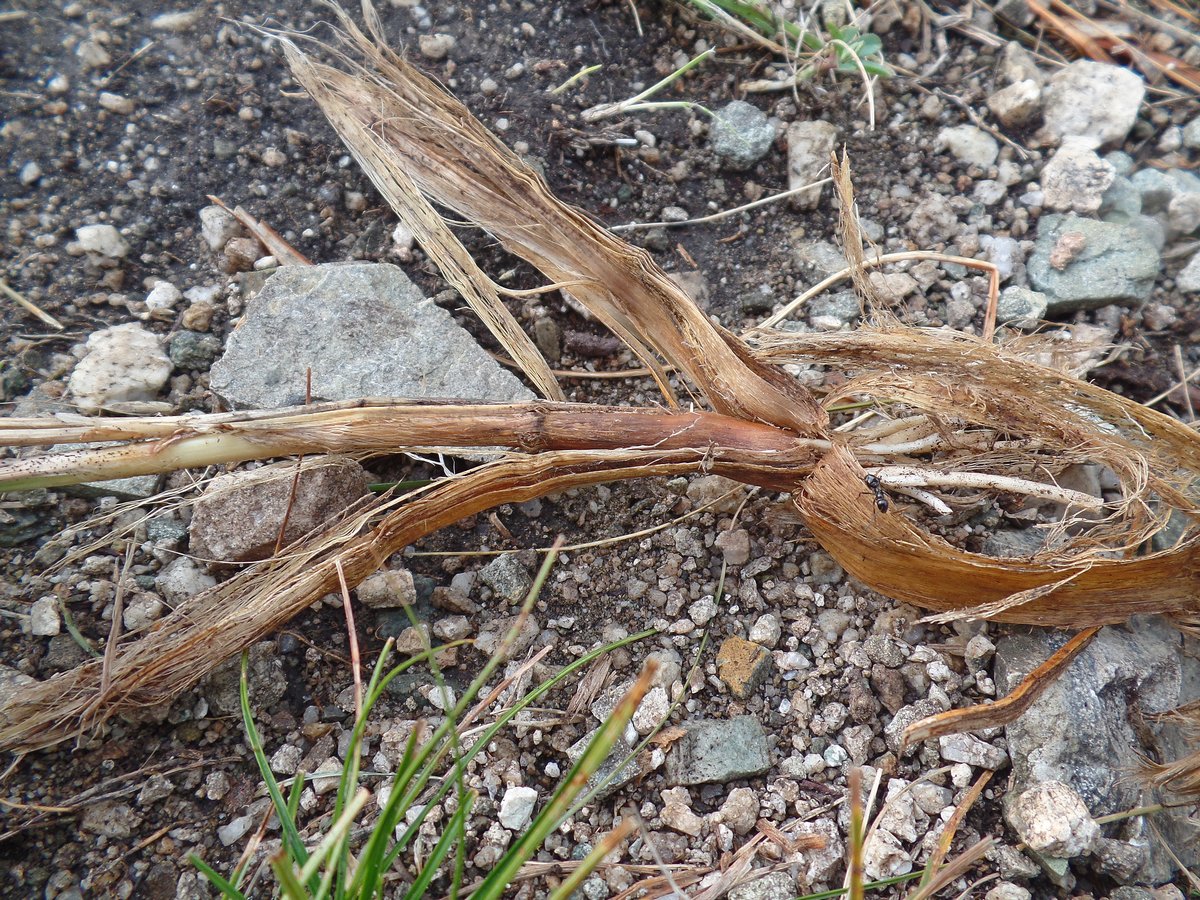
908 476
166 444
871 262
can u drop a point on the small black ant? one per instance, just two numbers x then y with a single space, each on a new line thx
881 500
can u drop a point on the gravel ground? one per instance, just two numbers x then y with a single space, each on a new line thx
119 120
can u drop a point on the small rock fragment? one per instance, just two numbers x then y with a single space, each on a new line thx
742 665
102 240
740 134
1052 820
116 103
809 146
234 830
1188 279
176 21
1076 178
884 856
124 363
677 812
507 578
1098 263
1017 104
143 610
966 748
1091 99
239 516
774 886
717 750
969 145
739 811
218 226
163 297
182 578
436 46
44 617
516 807
388 589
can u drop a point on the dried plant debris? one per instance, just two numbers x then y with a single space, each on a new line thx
964 422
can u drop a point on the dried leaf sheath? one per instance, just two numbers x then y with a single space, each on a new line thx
154 667
402 126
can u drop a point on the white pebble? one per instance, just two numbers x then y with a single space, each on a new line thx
516 808
44 619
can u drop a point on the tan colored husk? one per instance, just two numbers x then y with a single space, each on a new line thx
404 128
991 407
207 629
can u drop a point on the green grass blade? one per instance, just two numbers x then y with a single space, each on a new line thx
453 836
290 887
554 811
292 842
228 889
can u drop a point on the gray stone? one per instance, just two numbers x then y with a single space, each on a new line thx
1111 263
1076 178
817 260
264 677
239 516
182 578
1121 203
1152 230
966 748
893 732
775 886
614 772
1080 731
969 145
516 807
1006 890
1091 99
507 577
1183 214
809 146
1017 64
1155 188
718 750
364 330
1021 307
44 618
191 350
1121 162
234 830
218 226
740 134
1188 279
1017 104
1191 134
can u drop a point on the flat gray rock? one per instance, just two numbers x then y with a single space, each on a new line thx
365 330
718 750
740 134
1086 264
1082 730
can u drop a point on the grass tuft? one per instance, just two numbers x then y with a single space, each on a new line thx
339 866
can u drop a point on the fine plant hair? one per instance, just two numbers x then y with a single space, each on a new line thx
986 422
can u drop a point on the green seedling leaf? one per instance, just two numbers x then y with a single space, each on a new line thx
292 842
453 836
228 890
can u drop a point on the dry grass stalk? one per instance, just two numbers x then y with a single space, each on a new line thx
984 409
405 130
1008 708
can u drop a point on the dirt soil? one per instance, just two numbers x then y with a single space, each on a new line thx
134 124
